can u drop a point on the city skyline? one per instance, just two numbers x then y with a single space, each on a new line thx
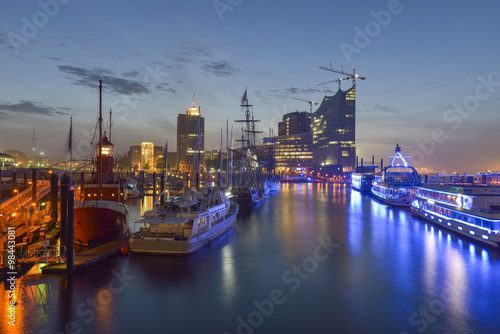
432 80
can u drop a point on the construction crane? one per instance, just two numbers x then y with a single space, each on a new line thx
352 76
330 81
310 102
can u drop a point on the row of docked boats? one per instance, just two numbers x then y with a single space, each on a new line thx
466 205
179 226
188 223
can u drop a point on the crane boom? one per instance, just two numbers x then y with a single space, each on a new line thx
311 102
352 76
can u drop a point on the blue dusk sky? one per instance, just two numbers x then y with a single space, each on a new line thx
432 68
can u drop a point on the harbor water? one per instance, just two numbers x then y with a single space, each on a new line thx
313 258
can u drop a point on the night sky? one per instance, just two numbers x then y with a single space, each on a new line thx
433 76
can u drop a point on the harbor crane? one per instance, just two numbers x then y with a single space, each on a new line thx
350 76
308 101
330 81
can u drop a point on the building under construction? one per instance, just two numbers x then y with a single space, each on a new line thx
333 128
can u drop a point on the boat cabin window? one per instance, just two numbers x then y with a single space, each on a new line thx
486 224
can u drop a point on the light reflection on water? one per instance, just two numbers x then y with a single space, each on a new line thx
387 266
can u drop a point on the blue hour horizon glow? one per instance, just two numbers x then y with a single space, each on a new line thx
432 74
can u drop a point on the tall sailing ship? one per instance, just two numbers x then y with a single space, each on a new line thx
398 182
101 214
252 188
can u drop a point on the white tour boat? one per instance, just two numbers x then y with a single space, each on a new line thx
469 209
398 181
185 225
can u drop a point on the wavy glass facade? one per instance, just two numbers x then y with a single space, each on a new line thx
333 129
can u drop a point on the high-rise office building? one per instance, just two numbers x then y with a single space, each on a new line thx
135 157
145 156
293 147
295 122
190 137
333 127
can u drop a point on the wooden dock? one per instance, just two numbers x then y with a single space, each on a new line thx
88 258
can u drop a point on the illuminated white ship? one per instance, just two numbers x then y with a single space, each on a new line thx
466 208
185 225
398 181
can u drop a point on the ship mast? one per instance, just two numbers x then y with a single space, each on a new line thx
110 123
251 132
99 167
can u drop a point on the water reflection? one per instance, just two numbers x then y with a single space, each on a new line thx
387 265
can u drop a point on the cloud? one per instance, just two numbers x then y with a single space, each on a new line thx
220 68
51 58
89 78
183 60
271 93
164 87
29 107
129 74
382 108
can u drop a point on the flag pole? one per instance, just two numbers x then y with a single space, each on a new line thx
71 149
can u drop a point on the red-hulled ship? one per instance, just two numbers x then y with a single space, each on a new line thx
101 214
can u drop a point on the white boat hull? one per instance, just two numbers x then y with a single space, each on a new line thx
165 245
467 230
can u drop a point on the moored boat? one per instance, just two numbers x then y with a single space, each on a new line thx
398 181
274 184
100 212
185 225
361 180
468 209
251 188
301 178
246 196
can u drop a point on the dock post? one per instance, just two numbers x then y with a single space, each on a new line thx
154 185
14 182
70 259
54 191
65 180
162 187
33 185
142 180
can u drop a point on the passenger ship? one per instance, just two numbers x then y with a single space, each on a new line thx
362 179
185 225
398 182
469 209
